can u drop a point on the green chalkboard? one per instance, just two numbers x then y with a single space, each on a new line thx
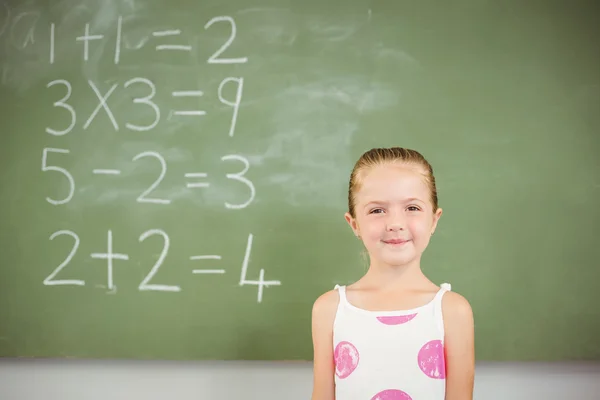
174 173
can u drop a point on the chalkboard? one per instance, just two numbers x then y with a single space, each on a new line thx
174 173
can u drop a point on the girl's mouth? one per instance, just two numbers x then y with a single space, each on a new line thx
396 242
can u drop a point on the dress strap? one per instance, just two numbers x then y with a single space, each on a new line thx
342 293
437 304
444 287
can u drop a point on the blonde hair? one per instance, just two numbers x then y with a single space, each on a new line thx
379 156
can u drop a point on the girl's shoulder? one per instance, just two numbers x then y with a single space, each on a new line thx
456 306
331 297
325 306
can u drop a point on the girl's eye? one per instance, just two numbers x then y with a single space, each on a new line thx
413 208
376 211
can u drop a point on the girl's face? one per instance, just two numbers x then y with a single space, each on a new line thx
394 215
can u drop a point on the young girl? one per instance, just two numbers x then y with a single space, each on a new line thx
393 335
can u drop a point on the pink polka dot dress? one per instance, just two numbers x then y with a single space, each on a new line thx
389 355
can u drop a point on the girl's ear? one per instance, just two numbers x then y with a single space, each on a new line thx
436 218
352 222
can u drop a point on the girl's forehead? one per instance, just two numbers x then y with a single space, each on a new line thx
394 180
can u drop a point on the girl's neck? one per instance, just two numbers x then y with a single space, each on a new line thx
387 276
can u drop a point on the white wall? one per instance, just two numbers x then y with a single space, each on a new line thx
132 380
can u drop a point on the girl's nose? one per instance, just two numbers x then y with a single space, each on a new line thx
395 226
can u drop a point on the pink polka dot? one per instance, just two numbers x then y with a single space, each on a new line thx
396 320
346 359
431 359
391 394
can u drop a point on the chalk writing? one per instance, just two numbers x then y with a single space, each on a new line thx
106 172
239 176
214 58
118 40
30 35
189 93
142 198
50 278
143 96
52 43
146 196
207 271
196 184
176 47
147 283
102 105
238 99
261 283
190 113
86 38
68 107
47 167
109 256
144 100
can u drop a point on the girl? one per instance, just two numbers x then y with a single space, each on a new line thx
393 335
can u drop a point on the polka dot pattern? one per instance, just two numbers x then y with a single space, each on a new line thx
346 359
398 369
391 394
396 320
431 359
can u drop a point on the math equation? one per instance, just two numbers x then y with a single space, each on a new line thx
165 41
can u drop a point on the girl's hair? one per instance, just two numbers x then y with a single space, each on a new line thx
379 156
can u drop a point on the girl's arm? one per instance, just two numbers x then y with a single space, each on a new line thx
459 347
323 315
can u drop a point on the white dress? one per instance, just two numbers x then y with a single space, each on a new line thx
389 355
